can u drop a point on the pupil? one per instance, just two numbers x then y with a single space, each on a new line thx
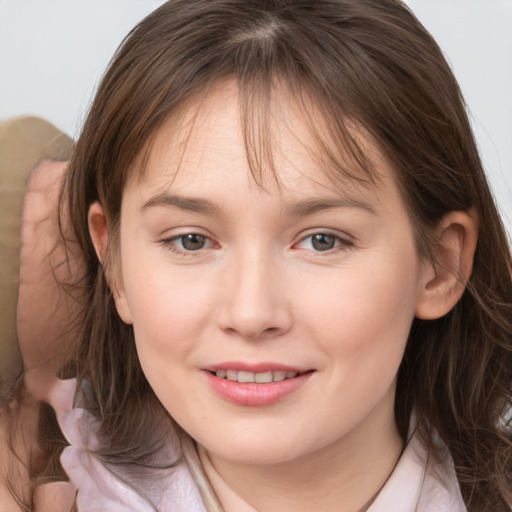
322 242
193 242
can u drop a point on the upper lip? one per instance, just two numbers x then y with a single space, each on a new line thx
255 367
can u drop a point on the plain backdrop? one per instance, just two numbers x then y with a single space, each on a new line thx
53 53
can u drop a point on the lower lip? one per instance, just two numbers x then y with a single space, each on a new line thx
255 394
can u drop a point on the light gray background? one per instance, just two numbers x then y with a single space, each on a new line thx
53 52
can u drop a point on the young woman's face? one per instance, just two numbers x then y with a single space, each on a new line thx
305 288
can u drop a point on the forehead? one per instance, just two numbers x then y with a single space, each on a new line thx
283 146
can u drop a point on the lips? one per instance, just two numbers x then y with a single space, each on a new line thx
254 385
258 378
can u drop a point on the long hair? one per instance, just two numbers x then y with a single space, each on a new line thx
367 63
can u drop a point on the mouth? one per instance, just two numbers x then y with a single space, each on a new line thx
256 385
267 377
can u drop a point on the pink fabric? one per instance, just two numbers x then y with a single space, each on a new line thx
420 483
97 487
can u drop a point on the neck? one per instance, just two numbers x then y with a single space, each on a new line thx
343 476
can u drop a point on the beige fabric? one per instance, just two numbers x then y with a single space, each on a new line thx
24 142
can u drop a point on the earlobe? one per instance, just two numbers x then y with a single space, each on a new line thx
123 309
445 277
99 235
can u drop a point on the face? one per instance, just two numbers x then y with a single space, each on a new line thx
270 323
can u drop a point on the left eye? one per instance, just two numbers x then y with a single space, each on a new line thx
322 242
190 242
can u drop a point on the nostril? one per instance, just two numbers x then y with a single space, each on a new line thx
254 333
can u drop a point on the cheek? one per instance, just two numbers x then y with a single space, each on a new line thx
168 310
366 312
362 325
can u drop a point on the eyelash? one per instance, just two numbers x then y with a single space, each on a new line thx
170 244
340 243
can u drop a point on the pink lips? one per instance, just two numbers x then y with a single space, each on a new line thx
252 393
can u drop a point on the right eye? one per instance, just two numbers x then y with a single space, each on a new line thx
324 242
188 242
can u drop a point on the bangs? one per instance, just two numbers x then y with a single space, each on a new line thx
339 145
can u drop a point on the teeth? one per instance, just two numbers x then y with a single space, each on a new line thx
279 375
245 377
260 378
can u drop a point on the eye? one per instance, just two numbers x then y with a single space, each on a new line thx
192 242
188 242
323 242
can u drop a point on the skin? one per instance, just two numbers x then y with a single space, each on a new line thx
260 290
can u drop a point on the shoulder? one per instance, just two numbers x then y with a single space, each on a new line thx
440 491
421 482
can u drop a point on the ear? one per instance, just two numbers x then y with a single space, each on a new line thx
99 236
98 230
452 262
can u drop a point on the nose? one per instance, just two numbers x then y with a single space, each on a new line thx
255 302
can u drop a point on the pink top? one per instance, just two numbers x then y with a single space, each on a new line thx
419 483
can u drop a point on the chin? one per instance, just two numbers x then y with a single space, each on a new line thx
260 449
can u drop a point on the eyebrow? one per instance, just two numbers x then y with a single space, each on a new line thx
299 209
191 204
311 206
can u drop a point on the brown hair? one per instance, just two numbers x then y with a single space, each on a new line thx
368 62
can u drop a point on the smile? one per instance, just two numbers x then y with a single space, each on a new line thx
265 385
258 378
